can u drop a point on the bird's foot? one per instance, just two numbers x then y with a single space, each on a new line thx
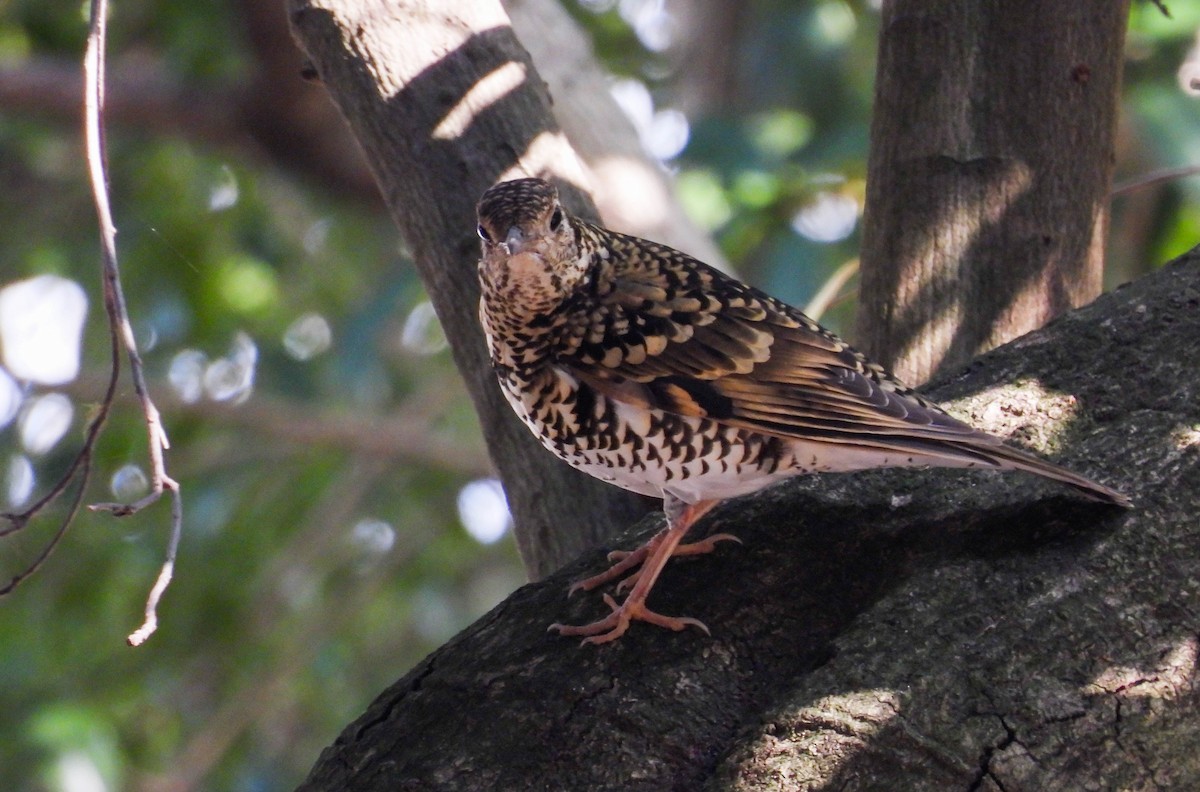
614 625
706 545
692 548
625 560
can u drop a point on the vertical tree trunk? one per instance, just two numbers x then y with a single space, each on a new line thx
989 173
445 102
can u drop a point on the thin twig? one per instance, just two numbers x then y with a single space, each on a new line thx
118 315
150 620
1154 177
80 466
830 289
86 456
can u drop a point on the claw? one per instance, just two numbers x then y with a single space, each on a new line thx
627 559
706 545
614 625
628 582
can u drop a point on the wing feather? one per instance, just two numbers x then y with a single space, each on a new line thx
680 336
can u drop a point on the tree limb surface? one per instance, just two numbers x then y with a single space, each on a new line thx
915 630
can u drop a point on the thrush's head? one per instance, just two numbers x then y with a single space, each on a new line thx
531 258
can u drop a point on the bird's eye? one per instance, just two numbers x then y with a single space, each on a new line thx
483 234
556 219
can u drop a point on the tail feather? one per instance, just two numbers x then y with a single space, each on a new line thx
977 450
1012 458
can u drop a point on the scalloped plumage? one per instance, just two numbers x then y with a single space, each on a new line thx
649 369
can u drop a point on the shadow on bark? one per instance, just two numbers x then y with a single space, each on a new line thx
887 630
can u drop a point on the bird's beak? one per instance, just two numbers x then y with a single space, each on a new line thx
514 241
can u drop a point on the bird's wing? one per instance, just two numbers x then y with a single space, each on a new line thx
666 331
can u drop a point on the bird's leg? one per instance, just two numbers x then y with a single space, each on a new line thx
653 556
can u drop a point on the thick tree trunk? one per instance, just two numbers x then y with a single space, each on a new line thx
445 102
896 630
989 173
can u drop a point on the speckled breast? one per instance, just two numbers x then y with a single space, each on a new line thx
640 449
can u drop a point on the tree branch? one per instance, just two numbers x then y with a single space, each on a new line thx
887 630
311 141
118 318
404 434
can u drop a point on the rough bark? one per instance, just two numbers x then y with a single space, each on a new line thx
890 630
445 102
989 173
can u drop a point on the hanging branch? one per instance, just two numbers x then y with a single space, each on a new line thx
121 334
118 317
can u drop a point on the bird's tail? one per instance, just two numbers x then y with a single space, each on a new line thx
981 450
1011 458
970 450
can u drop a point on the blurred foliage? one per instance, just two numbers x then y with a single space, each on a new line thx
315 570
